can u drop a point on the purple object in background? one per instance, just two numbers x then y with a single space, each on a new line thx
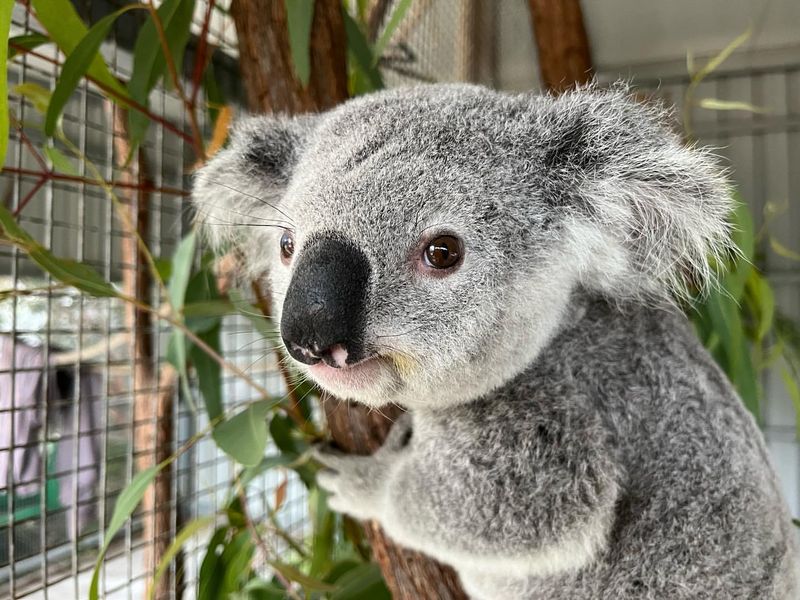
22 368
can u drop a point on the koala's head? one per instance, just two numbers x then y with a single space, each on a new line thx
422 245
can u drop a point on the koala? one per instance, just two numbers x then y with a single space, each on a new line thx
504 267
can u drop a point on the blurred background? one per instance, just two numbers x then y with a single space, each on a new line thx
75 425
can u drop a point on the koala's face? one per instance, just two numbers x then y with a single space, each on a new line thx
421 246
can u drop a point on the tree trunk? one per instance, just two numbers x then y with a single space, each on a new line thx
561 42
266 63
268 74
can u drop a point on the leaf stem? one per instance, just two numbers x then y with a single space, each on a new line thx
101 183
197 136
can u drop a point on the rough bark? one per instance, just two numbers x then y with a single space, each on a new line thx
561 43
273 87
152 393
266 62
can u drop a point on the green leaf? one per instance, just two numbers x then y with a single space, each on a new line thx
209 582
727 324
759 291
743 232
400 10
341 567
717 104
5 26
362 62
364 582
782 250
214 96
36 95
263 324
280 430
259 589
24 43
267 463
716 61
67 29
126 503
299 16
59 161
71 272
794 393
236 560
322 540
209 373
78 61
207 308
149 63
181 271
243 437
293 574
190 529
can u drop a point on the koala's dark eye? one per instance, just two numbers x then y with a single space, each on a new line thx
287 245
443 252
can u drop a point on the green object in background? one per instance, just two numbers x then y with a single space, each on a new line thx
29 507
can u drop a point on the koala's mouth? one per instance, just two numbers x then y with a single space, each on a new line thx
359 376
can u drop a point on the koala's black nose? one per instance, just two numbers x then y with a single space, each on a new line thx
324 310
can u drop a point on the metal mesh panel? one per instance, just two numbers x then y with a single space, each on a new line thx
51 522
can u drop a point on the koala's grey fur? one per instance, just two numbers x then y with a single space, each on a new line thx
569 436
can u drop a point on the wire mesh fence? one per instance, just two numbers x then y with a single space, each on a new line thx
68 410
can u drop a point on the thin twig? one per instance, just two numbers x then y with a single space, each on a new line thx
197 136
23 137
29 196
200 56
265 550
101 183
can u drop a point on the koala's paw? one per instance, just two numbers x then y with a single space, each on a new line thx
355 484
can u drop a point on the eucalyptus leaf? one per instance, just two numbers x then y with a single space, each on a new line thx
59 160
293 574
364 582
209 582
793 389
70 272
299 17
362 60
209 372
5 25
149 63
243 437
236 558
189 530
66 29
24 43
126 503
181 271
399 12
83 56
35 94
262 323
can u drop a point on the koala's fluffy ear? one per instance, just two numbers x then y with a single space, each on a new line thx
241 187
649 211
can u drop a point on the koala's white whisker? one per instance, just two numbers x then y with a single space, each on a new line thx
253 197
278 222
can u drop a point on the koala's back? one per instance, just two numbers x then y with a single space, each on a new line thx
700 513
